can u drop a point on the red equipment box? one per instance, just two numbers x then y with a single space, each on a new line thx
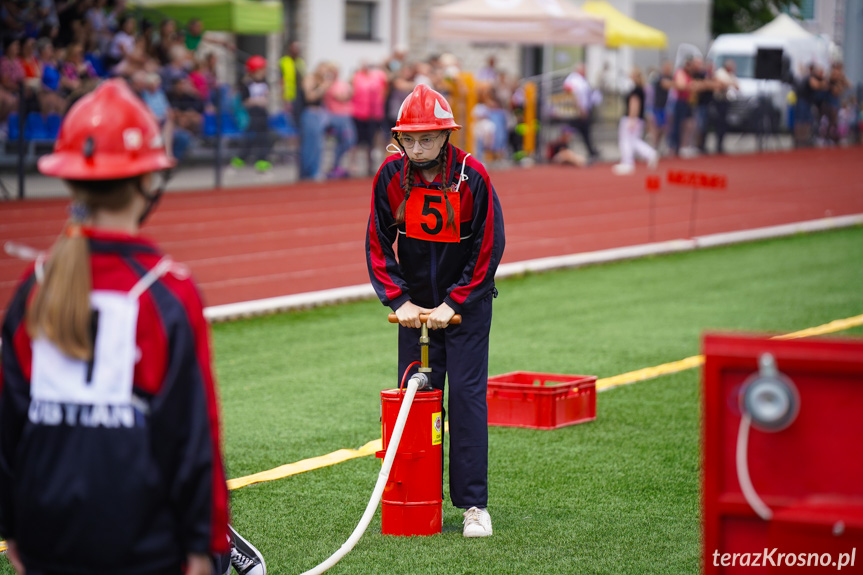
808 474
540 400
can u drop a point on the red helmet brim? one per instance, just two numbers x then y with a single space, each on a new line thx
73 166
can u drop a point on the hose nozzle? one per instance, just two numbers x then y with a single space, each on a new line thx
422 381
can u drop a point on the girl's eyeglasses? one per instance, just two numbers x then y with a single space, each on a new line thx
426 142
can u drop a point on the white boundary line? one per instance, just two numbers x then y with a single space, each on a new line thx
272 305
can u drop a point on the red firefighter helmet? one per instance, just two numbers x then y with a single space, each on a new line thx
423 110
255 63
107 135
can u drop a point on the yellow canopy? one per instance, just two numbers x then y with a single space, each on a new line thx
621 30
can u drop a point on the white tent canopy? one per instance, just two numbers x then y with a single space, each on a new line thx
539 22
784 26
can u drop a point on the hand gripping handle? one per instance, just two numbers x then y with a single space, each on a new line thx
454 320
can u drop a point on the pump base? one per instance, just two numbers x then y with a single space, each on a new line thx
411 519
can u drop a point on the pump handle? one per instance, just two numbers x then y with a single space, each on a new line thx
454 320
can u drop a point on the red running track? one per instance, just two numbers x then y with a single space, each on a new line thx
245 244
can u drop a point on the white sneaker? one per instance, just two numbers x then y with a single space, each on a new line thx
622 169
477 523
689 152
653 161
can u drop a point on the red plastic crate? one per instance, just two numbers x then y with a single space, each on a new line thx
540 400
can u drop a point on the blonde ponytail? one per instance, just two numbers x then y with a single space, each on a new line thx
61 308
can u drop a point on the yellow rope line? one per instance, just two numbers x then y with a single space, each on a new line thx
306 465
697 360
601 384
832 327
605 383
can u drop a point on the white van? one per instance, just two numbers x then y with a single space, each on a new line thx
744 111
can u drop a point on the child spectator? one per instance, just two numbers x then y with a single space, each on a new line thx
255 95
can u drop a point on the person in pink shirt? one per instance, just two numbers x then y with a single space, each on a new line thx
11 77
370 91
199 80
337 103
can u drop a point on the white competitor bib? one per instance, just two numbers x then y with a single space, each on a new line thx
59 382
107 379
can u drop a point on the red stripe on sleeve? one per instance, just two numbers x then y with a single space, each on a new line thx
376 252
460 294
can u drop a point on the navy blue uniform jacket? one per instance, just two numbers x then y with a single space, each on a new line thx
429 273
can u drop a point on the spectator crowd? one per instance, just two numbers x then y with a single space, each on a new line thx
55 51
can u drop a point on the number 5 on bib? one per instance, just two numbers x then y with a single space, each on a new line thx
425 216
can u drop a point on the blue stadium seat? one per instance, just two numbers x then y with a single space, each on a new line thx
13 126
281 125
209 127
229 125
34 129
52 125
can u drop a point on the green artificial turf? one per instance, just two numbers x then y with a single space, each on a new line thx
617 495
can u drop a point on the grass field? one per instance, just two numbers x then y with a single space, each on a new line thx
617 495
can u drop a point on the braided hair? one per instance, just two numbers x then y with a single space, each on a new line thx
408 176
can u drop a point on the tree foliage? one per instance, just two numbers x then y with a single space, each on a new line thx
733 16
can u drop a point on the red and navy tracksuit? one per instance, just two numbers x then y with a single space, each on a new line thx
461 274
121 489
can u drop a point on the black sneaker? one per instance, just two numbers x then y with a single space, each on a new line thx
245 559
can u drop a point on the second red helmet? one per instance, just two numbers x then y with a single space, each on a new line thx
425 109
108 134
255 63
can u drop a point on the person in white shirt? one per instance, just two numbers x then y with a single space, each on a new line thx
124 40
631 130
577 85
727 87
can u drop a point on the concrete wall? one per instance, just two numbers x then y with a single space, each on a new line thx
320 26
682 21
324 24
852 49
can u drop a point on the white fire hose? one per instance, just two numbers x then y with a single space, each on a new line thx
417 381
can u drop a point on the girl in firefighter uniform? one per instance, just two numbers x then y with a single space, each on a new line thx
110 455
437 204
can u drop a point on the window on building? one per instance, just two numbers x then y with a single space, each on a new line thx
806 10
361 20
